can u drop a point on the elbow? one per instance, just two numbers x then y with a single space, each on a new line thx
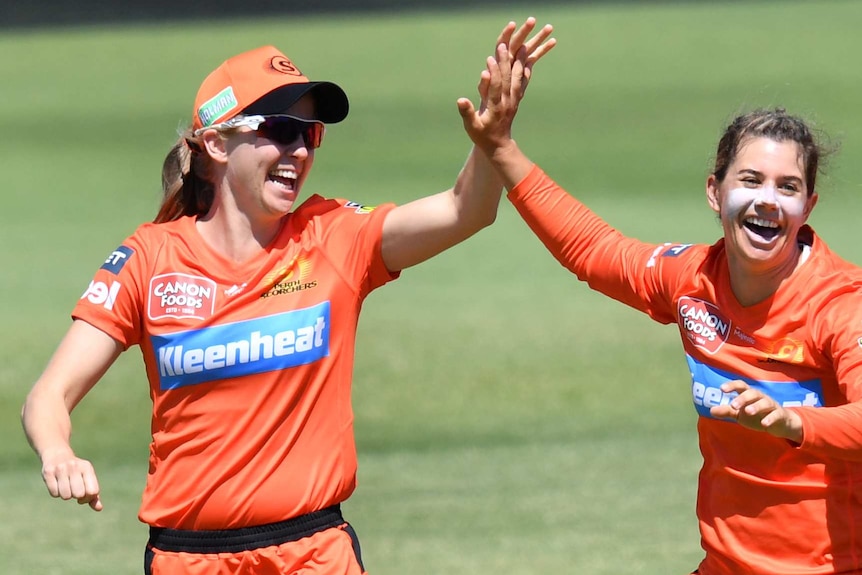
26 408
469 226
477 224
25 412
25 405
485 218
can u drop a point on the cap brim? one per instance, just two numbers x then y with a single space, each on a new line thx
331 102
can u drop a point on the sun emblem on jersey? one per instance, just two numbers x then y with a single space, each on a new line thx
291 278
787 350
295 269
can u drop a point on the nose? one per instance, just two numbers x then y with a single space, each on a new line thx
297 148
766 196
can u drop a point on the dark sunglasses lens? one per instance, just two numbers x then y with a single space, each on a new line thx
287 130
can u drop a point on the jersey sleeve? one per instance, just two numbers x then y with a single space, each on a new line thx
114 299
352 236
628 270
836 430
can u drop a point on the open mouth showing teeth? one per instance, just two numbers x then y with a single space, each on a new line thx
764 228
286 178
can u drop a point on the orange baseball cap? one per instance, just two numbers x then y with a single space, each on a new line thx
262 81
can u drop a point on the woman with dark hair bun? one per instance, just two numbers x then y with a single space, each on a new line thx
771 326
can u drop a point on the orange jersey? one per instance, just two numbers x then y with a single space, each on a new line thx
765 505
249 364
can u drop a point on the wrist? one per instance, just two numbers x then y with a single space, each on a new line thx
793 428
55 452
501 150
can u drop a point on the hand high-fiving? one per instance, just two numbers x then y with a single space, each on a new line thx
503 83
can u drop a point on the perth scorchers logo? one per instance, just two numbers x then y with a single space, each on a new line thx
703 324
181 296
293 277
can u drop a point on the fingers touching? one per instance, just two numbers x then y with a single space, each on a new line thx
756 410
503 83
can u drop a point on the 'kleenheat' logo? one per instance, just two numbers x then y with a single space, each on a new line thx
250 347
181 296
706 392
703 324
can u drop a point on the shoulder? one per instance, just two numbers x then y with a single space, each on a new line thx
676 255
155 232
825 260
320 204
830 281
318 207
150 237
151 230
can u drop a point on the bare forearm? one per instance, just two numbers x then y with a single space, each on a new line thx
47 423
477 193
414 232
510 163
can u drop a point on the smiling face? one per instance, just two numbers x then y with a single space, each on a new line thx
265 176
762 202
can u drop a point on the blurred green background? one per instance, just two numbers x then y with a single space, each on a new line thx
508 419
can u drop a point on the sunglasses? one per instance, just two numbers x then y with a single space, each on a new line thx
282 129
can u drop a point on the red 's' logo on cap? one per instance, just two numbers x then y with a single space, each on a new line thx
285 66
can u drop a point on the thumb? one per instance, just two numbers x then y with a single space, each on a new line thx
470 119
466 109
96 503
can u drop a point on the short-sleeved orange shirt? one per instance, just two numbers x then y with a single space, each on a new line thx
249 364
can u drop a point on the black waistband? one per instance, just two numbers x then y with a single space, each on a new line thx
245 538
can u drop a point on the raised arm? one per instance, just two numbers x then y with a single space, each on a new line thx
490 128
423 228
82 358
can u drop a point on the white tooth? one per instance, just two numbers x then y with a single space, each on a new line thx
762 223
288 174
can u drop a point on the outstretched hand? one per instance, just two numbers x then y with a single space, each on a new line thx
503 83
754 409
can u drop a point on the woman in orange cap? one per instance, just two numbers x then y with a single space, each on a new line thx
244 304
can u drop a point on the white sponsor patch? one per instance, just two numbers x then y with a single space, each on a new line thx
102 294
181 296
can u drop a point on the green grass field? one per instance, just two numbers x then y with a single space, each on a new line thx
508 419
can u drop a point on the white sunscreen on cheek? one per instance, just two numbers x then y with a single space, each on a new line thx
737 200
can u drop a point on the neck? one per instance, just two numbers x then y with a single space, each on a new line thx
752 286
235 235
